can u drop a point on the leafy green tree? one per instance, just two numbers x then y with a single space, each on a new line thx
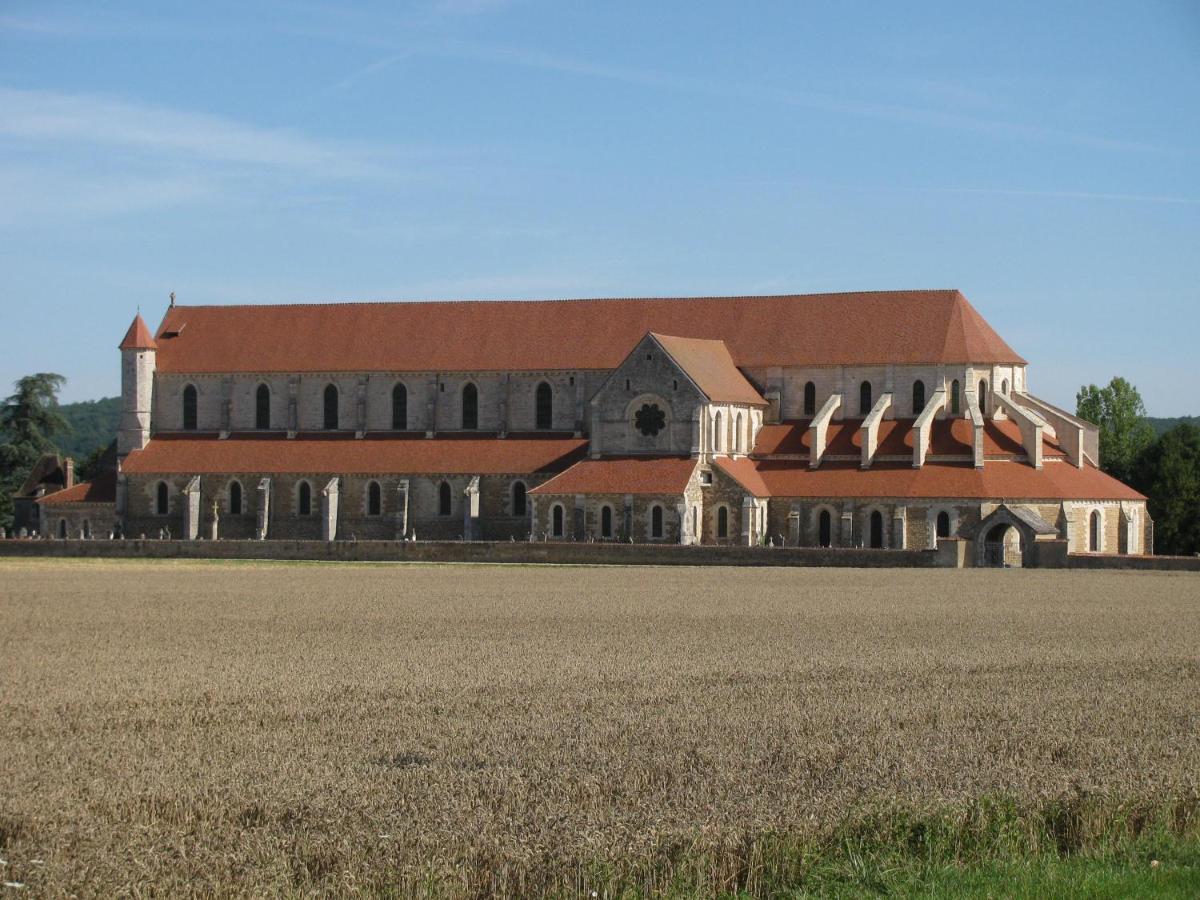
1118 411
29 420
1168 472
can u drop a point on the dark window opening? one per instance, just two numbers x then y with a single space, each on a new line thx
470 408
331 407
723 522
864 398
955 399
189 408
606 522
262 407
163 496
650 420
62 529
983 396
943 524
918 397
518 499
235 498
304 504
810 399
825 529
656 522
1094 532
399 408
444 499
544 405
374 499
877 530
557 521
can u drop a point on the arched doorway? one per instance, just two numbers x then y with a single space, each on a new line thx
1003 546
876 530
825 529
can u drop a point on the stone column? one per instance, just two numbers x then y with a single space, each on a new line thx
471 510
191 510
264 510
627 524
899 529
402 509
847 526
329 510
793 521
214 523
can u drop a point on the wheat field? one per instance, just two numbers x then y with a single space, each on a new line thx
290 729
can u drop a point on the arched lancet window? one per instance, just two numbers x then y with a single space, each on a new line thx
304 499
943 524
825 529
399 408
918 397
544 404
737 433
656 521
606 521
62 529
810 399
262 407
189 408
235 498
718 441
722 522
955 398
1004 386
87 529
556 520
864 398
374 499
877 530
519 505
444 499
331 407
470 408
162 496
1094 532
983 396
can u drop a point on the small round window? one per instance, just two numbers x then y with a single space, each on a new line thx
650 420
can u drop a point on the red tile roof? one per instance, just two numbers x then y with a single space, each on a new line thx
948 437
344 455
138 336
710 366
745 472
101 489
623 475
818 329
997 480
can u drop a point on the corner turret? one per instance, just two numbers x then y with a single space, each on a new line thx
138 358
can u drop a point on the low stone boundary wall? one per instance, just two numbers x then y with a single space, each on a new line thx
477 552
1131 563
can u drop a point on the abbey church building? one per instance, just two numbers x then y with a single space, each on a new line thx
885 420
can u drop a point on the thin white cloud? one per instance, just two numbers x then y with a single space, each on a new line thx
99 120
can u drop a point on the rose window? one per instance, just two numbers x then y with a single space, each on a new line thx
650 420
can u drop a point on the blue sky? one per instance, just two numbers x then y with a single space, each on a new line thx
1041 157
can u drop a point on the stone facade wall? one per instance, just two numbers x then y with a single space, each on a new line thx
641 519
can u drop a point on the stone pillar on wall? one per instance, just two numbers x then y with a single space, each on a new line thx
226 405
794 525
749 522
580 402
685 522
214 522
402 509
360 407
597 430
899 528
471 510
264 510
579 518
431 392
191 509
698 431
293 406
627 521
847 526
505 403
329 510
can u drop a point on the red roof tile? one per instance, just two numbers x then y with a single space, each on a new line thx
101 489
997 480
623 475
948 437
138 336
344 455
710 366
745 472
818 329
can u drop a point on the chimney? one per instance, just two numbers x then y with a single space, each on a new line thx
69 473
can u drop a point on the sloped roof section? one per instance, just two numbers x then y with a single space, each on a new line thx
138 336
344 455
948 437
101 489
623 475
710 366
901 327
745 473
